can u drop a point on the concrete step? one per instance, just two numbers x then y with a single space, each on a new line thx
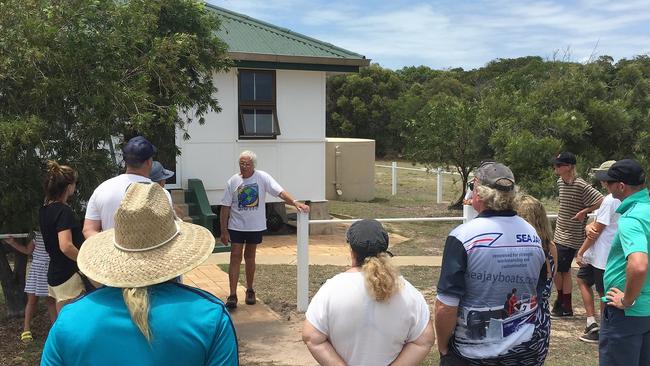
178 195
185 209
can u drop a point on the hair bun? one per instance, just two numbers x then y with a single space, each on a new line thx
53 167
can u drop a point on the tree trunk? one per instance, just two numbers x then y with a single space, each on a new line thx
464 175
13 282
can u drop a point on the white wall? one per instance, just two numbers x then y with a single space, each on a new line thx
296 159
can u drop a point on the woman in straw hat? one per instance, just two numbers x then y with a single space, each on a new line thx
141 317
368 315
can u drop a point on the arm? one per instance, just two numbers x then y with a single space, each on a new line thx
66 245
446 317
320 346
290 201
580 216
414 352
91 227
25 249
635 275
553 250
223 222
595 227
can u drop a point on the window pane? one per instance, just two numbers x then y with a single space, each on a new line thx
246 86
255 86
264 87
258 122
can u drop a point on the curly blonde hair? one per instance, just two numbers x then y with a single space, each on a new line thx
497 200
382 278
137 301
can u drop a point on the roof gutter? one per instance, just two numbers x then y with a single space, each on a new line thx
259 57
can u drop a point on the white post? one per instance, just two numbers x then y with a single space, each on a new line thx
393 190
303 261
439 186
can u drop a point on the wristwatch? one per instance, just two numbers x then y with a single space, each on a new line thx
627 306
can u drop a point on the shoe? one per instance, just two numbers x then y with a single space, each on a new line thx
231 302
560 312
591 337
557 307
591 328
250 297
26 336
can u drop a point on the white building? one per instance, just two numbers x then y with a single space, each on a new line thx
273 103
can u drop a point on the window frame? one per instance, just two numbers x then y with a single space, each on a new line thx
257 105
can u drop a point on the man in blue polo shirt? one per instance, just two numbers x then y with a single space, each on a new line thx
625 329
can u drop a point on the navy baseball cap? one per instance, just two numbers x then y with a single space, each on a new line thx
138 150
367 238
626 171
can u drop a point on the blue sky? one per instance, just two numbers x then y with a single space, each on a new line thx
463 33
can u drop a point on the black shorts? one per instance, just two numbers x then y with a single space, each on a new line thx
592 276
565 256
245 237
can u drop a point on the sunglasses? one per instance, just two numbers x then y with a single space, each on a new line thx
560 165
471 185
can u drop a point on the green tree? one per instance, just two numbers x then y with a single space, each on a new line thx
448 131
75 75
361 105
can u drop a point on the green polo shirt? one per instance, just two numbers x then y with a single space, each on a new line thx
633 236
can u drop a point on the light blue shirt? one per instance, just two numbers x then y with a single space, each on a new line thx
188 326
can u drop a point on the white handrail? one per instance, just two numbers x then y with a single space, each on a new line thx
6 236
302 266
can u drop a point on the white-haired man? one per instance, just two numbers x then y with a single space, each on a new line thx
243 219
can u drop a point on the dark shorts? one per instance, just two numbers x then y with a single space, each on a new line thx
245 237
624 340
592 276
565 256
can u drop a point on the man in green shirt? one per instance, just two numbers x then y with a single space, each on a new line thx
625 329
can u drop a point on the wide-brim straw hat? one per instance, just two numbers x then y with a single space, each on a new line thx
147 245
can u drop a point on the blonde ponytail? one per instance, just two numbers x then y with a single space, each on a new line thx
382 279
137 301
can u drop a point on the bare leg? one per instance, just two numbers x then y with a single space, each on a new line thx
233 269
51 308
30 309
249 257
587 297
558 280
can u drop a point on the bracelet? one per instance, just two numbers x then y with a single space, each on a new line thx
626 306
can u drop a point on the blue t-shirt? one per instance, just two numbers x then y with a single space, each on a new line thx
188 327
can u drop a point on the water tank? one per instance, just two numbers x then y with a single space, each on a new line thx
350 169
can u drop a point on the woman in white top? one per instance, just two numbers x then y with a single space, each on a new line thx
369 314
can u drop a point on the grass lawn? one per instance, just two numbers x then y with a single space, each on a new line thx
416 197
12 350
565 348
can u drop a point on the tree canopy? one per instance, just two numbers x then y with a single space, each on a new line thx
77 76
519 111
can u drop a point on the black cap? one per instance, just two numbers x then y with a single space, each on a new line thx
627 171
367 238
138 150
565 158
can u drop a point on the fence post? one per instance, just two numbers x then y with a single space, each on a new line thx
439 186
302 266
393 166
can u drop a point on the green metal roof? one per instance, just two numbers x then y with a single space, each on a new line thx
253 40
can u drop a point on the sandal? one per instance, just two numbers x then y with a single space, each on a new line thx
250 297
26 336
231 302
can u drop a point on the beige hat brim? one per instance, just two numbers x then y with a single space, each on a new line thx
103 262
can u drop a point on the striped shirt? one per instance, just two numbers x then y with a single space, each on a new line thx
574 197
